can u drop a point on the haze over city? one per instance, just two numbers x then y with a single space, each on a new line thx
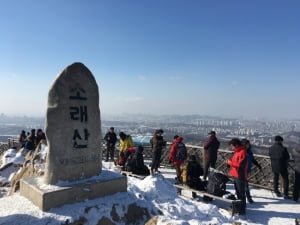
219 58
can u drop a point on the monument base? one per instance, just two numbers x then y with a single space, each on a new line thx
55 196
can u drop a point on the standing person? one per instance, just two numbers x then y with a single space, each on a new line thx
173 156
238 170
251 159
22 139
211 147
157 143
296 156
279 161
111 139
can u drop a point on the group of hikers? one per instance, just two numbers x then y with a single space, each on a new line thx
30 140
188 168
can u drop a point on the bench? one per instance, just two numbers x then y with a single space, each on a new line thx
235 204
126 173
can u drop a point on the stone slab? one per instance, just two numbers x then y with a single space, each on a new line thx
46 197
73 126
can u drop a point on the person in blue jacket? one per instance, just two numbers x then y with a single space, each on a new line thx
251 159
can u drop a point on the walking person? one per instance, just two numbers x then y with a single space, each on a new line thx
296 156
157 143
111 139
279 161
175 158
251 159
238 170
211 147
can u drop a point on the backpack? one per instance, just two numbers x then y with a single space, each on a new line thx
216 184
181 151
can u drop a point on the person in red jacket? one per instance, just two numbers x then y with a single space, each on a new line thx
238 170
172 157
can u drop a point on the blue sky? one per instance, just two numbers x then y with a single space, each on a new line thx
224 58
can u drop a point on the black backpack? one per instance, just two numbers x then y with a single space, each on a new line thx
216 184
181 151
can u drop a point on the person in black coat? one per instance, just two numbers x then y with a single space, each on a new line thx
211 147
111 139
194 171
135 163
279 161
296 156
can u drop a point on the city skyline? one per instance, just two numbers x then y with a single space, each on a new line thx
226 59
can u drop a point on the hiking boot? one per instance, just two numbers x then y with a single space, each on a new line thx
242 212
250 200
287 197
278 194
194 195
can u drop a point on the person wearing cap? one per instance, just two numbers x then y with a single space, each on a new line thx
157 143
111 139
279 162
211 147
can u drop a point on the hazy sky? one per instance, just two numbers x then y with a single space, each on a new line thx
227 58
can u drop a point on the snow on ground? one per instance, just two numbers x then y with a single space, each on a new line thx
157 194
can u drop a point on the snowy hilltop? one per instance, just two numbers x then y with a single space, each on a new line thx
152 200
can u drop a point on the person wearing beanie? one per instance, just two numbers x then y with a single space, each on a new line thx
111 139
157 143
279 157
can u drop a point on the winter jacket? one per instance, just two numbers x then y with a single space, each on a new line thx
239 163
296 156
126 143
157 143
136 165
211 147
279 157
194 169
173 152
110 138
251 160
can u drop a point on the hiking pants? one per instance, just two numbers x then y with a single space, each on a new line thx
155 160
239 185
285 177
210 161
296 186
110 151
247 190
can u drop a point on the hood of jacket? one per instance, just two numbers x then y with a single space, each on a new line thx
178 139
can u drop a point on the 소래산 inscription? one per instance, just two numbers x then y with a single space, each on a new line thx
73 126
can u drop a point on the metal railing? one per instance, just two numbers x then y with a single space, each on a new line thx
259 178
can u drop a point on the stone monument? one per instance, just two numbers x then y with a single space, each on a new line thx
73 131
